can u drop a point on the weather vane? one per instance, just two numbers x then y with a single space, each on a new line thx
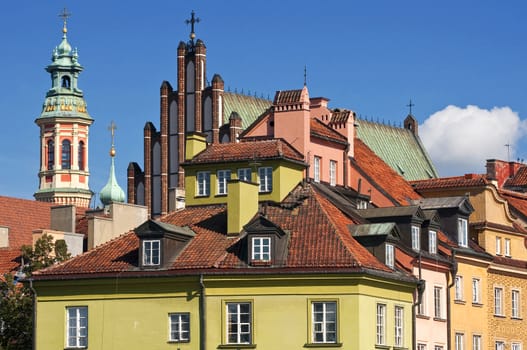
193 20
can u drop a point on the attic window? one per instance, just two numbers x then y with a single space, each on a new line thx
151 252
261 248
390 256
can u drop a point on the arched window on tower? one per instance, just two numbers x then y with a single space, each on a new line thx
66 82
66 154
81 155
51 154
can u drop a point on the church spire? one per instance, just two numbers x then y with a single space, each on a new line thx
112 192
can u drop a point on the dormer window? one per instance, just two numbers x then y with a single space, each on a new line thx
416 235
261 248
432 242
462 232
390 256
151 252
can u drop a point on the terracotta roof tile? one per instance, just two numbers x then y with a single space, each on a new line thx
516 200
468 180
247 151
9 260
519 179
22 216
384 176
288 96
318 128
340 117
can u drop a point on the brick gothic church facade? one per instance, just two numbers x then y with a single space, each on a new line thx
194 107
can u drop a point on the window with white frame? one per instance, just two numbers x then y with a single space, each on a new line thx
416 241
438 347
223 176
362 204
498 245
390 256
399 322
515 303
261 248
265 175
462 232
516 346
239 323
151 252
459 288
316 169
332 172
498 301
476 342
203 183
476 290
432 242
507 247
77 327
421 346
381 324
324 321
459 341
244 174
179 327
438 305
421 308
499 345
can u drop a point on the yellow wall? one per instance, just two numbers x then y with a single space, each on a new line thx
133 314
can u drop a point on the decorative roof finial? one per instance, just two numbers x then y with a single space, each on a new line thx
305 75
193 20
410 105
65 15
112 129
112 192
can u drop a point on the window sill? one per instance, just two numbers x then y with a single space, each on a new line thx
477 304
382 346
75 347
424 317
202 196
399 348
499 316
178 342
460 302
237 346
516 318
439 319
221 195
261 263
322 345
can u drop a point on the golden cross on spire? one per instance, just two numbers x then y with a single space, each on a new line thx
193 20
112 129
65 15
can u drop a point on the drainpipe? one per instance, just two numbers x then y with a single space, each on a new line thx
34 292
202 315
345 166
453 272
420 291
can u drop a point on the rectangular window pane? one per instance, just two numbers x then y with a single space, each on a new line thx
223 177
261 248
437 302
179 327
266 179
151 252
324 322
462 232
244 174
77 327
203 183
390 255
460 341
507 247
515 303
475 291
399 321
498 246
459 288
332 172
239 321
432 242
416 242
498 301
381 324
316 168
476 342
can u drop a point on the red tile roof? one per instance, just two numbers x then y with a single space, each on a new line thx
22 216
516 200
320 129
340 117
9 260
247 151
382 174
519 179
319 239
288 96
468 180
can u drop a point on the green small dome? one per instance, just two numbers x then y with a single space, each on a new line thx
112 192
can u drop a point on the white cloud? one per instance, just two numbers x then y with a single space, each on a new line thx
460 140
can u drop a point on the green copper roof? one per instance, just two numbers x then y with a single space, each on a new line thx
400 148
249 108
112 192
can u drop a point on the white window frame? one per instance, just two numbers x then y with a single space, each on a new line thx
222 177
498 245
459 341
242 322
151 251
516 346
432 242
261 248
498 301
316 168
362 204
499 345
332 172
390 255
476 290
507 251
476 342
203 183
265 177
76 327
381 324
458 288
244 174
179 327
462 232
399 326
421 346
515 303
421 308
416 237
438 347
438 302
324 324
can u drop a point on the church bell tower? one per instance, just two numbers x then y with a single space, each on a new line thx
64 127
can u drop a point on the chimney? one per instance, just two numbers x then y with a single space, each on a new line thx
235 126
242 204
4 237
196 142
63 218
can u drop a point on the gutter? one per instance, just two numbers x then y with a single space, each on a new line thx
202 315
453 272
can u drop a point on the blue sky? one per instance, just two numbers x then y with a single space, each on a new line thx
461 62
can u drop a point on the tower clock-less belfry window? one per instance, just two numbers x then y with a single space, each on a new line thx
51 154
81 155
66 154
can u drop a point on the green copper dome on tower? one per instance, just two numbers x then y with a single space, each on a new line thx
112 192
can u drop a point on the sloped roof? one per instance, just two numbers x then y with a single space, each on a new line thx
400 148
387 180
516 200
340 116
22 216
318 239
9 260
375 229
288 96
247 151
519 179
468 180
249 108
320 129
386 212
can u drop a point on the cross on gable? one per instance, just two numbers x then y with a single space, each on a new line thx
410 105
